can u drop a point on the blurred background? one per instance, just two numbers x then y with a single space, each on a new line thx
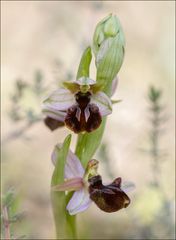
42 42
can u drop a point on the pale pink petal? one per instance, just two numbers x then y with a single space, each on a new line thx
87 113
114 85
103 102
52 113
79 202
128 187
72 184
85 81
60 100
73 166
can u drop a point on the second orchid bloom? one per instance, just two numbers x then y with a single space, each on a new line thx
88 186
80 106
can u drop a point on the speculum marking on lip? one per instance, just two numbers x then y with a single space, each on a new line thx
83 115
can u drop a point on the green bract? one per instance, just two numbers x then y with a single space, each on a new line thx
108 47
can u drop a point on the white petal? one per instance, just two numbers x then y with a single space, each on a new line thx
128 187
85 81
52 113
73 166
60 100
79 202
103 102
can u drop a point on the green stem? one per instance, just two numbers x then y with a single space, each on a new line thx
65 223
58 200
71 220
88 143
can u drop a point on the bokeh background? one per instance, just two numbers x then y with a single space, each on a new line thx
44 40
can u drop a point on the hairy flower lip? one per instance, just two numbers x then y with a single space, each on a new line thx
83 116
109 198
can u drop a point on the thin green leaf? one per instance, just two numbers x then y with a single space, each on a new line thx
58 174
83 70
59 198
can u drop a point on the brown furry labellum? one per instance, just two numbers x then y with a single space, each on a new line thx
83 116
109 198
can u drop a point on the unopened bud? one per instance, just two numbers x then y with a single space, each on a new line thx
108 47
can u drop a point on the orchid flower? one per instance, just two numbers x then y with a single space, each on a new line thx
80 105
88 186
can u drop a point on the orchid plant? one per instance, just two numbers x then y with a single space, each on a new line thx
82 106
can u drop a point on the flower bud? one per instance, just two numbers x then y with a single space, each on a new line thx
108 47
111 26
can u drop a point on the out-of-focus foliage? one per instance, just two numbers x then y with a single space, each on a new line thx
153 207
10 216
25 104
19 108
